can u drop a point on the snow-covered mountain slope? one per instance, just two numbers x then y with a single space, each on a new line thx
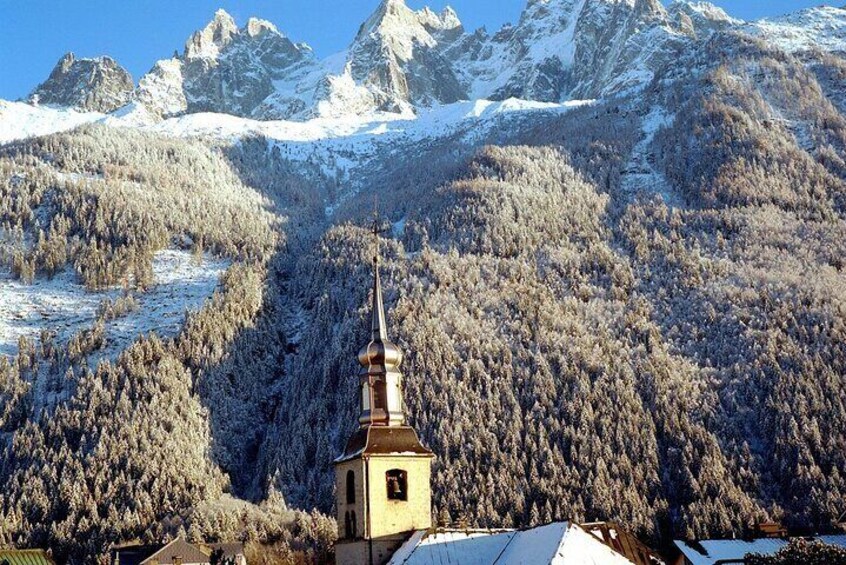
99 84
19 120
821 28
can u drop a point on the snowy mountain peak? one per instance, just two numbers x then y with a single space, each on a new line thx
97 84
446 20
66 62
226 69
403 59
396 61
822 28
450 18
705 9
257 26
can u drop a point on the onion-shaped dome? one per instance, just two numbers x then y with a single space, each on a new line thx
380 354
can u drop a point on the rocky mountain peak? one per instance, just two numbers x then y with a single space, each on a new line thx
396 59
225 69
450 18
398 28
97 84
445 21
208 42
402 59
700 18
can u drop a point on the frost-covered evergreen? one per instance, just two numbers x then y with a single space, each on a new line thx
669 355
800 551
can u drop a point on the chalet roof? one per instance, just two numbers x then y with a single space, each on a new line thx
559 542
713 552
162 553
384 440
620 540
25 557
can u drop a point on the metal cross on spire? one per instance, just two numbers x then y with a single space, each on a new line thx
376 229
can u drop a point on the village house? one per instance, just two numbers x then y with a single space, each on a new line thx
178 552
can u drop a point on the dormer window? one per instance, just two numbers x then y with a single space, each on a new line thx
397 483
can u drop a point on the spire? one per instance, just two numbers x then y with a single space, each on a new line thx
378 329
380 359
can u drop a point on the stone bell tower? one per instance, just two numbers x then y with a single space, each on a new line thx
382 478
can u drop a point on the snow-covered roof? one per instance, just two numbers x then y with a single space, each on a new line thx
559 543
729 550
838 540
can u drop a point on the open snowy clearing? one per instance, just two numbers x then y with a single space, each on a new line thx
63 305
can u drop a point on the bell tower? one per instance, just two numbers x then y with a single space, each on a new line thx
382 478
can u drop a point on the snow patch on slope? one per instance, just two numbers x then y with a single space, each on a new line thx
63 305
339 144
640 174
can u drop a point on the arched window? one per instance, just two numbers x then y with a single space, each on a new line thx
354 525
350 487
348 533
397 483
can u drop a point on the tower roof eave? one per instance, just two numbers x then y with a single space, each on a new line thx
384 440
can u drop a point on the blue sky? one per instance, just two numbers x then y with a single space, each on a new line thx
35 33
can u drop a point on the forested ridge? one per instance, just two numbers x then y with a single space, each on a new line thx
575 348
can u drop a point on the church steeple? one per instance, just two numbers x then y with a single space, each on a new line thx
380 378
382 476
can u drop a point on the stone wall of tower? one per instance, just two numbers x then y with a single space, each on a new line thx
389 517
368 552
360 504
376 515
383 524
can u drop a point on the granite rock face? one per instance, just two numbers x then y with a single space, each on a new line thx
97 85
404 60
224 69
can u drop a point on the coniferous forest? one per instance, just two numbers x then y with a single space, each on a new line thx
577 347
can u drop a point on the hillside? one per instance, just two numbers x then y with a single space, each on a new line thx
621 293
